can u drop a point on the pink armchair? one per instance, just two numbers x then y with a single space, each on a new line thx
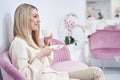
105 44
8 71
62 59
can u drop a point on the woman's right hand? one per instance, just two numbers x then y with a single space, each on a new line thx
47 39
44 52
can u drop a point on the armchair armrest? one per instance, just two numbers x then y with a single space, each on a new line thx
6 65
12 71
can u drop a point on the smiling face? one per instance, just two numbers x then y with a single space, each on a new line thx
34 20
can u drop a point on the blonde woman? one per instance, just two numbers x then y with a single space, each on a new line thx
30 58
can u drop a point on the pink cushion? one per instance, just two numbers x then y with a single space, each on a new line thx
68 66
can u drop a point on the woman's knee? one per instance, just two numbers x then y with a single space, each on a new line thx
98 72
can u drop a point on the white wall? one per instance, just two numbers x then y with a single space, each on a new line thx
102 6
6 20
64 7
114 4
51 13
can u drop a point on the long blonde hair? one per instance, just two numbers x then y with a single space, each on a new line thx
21 25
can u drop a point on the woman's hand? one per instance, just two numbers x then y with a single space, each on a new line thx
47 39
44 52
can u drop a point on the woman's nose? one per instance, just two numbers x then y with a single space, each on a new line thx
38 20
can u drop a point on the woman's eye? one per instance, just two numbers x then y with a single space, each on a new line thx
35 16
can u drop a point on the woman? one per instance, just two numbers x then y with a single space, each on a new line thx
30 58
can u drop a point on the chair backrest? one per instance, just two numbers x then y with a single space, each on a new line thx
111 27
104 39
62 54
